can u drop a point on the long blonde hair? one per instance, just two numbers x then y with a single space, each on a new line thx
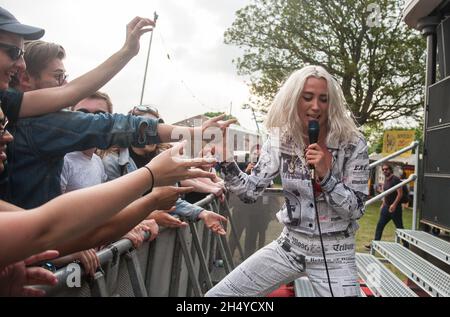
283 113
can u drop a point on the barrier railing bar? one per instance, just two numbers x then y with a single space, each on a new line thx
213 250
134 271
176 268
201 256
98 285
110 257
393 155
206 246
222 252
414 145
190 264
148 271
391 190
222 242
233 230
224 238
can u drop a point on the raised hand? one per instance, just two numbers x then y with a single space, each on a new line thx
135 29
221 149
217 122
170 167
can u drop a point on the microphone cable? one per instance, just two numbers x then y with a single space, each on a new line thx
313 135
313 182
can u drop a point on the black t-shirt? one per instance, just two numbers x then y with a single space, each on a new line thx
388 183
139 160
10 102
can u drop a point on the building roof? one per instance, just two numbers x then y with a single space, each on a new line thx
418 9
399 160
195 121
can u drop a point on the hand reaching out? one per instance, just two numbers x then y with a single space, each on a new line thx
135 29
213 221
164 219
169 167
15 278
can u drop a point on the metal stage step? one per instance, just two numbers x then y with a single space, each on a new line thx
303 287
430 244
381 281
430 278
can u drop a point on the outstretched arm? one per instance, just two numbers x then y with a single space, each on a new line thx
249 187
171 133
117 226
15 279
75 213
44 101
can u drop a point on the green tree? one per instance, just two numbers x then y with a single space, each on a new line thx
379 61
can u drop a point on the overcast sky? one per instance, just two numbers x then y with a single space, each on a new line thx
200 76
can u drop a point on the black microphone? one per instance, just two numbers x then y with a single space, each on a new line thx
313 134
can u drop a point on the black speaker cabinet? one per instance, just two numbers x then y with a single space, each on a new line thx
443 42
435 206
439 103
436 201
437 158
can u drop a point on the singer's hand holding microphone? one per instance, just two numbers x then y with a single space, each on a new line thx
317 155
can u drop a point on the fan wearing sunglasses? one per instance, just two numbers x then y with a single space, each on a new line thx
33 103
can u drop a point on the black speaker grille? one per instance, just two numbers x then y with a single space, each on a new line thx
439 103
436 204
437 159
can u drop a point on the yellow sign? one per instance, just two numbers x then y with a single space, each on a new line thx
396 140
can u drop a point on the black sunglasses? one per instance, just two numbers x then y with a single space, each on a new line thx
86 111
12 51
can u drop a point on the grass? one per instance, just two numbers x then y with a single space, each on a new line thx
369 222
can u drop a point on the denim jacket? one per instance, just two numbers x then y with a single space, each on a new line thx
36 155
340 202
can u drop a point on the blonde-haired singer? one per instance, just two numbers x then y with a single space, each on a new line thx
340 160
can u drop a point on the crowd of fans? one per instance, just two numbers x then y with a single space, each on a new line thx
75 176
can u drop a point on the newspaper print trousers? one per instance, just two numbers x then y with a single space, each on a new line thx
291 256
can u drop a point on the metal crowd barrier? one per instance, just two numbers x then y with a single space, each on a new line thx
180 262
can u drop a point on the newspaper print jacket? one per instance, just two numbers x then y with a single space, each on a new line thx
340 201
